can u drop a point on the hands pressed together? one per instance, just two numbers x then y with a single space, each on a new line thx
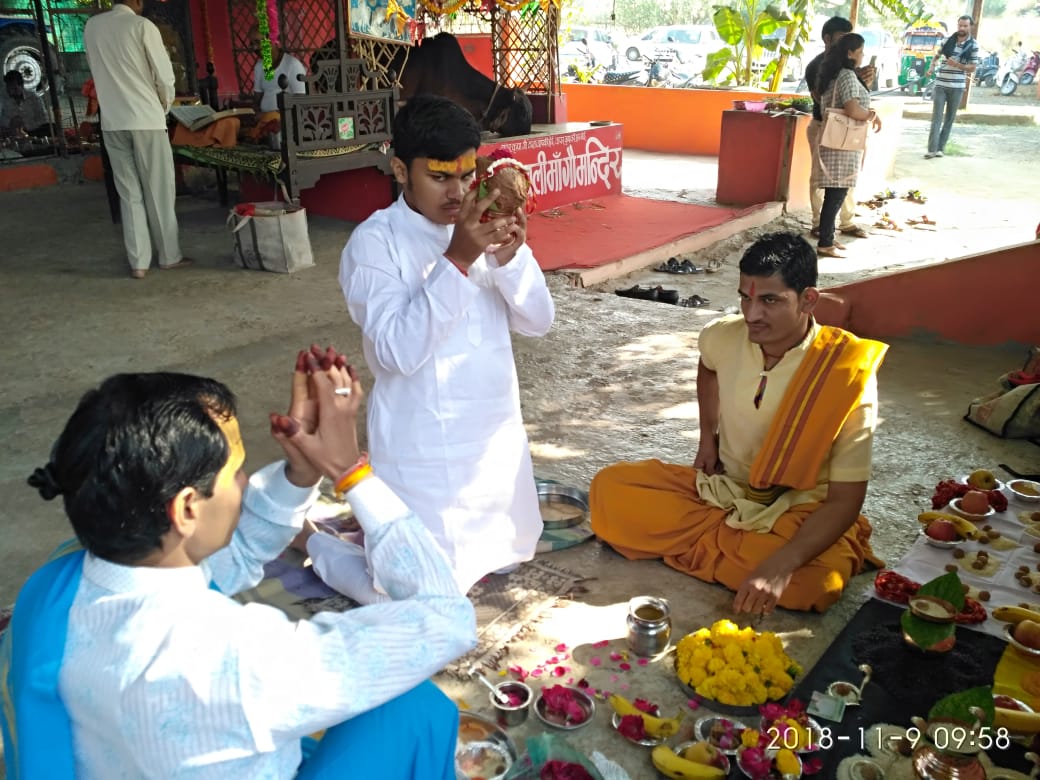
501 236
319 431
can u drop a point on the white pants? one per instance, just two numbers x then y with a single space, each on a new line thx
847 215
142 167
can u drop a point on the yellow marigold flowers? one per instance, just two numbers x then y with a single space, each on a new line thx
735 666
787 762
749 738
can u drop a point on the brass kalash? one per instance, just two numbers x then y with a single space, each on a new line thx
948 750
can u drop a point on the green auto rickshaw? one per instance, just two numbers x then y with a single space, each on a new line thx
920 46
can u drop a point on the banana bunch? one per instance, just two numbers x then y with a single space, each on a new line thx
658 728
1016 721
1014 615
965 528
669 763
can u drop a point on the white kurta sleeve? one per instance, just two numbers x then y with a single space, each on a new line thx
162 70
272 514
522 285
405 328
303 677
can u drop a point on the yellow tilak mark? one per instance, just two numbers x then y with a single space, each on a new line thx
466 162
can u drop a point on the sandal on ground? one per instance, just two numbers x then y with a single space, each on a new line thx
694 301
137 273
714 266
854 230
676 266
671 266
828 251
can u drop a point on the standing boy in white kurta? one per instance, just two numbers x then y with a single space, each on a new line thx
436 309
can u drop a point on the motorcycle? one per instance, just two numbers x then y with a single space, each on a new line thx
1029 71
986 72
655 72
1010 72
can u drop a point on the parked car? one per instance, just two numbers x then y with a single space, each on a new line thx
795 63
600 44
880 43
690 43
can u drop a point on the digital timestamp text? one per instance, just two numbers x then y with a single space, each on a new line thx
944 737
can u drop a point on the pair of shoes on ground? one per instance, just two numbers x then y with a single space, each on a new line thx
930 155
694 302
657 293
676 266
829 251
184 262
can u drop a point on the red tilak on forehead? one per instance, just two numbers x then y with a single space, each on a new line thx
752 292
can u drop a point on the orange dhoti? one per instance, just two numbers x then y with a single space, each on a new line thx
651 509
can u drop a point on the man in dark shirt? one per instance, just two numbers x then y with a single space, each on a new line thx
833 29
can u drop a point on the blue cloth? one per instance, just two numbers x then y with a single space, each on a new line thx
37 730
412 736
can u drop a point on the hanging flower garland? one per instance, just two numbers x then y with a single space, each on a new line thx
446 7
263 27
443 7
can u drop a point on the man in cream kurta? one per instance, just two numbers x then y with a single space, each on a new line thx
444 424
135 89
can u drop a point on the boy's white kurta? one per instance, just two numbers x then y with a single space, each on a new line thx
444 424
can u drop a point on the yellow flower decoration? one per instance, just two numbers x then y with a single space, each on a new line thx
734 665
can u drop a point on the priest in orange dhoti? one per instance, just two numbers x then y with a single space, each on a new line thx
771 506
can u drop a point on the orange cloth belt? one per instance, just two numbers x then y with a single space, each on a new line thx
824 391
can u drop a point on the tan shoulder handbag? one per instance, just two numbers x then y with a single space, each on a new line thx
840 131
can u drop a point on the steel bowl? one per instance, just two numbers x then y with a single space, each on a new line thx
647 741
558 504
584 701
514 715
703 726
478 737
1018 488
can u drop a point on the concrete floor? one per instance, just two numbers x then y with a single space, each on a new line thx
613 380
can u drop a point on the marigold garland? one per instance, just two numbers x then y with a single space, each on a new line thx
446 7
735 666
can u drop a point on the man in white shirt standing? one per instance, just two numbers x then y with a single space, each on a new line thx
135 89
265 90
129 659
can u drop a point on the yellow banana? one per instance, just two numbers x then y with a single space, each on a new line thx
965 528
658 728
668 762
1016 721
1014 615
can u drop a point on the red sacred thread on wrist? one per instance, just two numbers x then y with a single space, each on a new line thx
464 271
353 475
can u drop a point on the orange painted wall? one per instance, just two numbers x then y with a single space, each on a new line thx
984 299
680 121
27 177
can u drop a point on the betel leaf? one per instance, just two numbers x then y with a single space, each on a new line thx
957 706
947 587
924 633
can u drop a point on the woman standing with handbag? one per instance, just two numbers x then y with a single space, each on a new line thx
837 169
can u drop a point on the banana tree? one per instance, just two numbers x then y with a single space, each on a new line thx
745 28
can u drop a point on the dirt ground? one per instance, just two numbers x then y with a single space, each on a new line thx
613 380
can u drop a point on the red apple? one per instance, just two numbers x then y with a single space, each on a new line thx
942 530
1028 633
975 502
